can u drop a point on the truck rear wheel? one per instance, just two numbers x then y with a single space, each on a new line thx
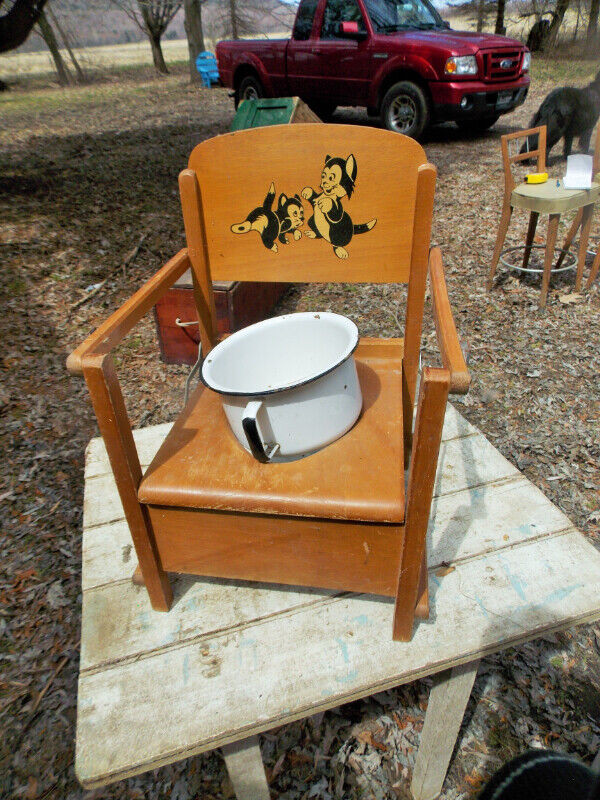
405 109
250 88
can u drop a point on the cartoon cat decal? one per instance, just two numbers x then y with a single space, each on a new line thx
272 225
329 220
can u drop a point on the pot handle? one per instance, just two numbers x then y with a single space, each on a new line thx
253 437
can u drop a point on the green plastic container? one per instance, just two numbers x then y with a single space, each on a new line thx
271 111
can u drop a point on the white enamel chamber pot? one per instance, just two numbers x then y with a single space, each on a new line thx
288 384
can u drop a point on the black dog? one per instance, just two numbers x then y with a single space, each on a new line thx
567 112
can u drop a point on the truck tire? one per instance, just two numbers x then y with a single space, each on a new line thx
250 88
405 109
477 125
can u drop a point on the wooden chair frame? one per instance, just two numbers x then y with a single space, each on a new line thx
404 575
582 220
578 221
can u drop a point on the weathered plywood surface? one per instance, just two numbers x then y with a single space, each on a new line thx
196 696
119 623
155 687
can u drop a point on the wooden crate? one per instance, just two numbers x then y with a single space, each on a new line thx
237 303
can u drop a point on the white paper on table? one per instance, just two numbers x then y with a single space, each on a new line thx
579 172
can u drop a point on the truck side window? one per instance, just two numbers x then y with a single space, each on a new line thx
304 20
337 11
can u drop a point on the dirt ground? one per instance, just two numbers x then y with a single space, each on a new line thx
84 173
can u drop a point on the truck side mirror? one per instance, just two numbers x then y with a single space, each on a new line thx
349 30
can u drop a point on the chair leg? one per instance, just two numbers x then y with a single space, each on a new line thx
422 607
586 224
550 244
533 221
569 238
502 229
594 270
433 395
114 426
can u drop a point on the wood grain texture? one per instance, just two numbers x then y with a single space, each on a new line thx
238 681
116 432
358 477
513 568
245 768
433 394
195 234
148 440
553 221
447 337
463 463
448 700
416 292
236 170
299 551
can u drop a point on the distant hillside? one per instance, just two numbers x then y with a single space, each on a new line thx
98 22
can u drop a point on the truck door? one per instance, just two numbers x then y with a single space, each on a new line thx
345 63
329 66
302 64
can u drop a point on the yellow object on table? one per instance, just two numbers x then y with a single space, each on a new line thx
536 177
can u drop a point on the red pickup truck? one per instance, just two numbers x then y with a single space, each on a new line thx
398 58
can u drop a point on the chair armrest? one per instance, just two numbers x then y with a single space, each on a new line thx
452 357
122 321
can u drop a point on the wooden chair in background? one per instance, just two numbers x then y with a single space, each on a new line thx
543 198
338 519
577 222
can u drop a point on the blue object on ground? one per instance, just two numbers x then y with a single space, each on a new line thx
206 64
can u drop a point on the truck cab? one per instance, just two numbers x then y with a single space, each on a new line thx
397 58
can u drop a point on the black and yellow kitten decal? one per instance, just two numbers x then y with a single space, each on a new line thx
329 220
272 225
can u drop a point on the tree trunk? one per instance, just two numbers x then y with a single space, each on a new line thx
559 13
17 23
592 28
234 20
500 27
78 71
48 36
480 11
195 34
157 53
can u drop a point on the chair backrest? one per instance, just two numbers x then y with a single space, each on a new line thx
533 144
364 197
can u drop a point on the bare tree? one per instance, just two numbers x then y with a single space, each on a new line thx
78 71
153 18
48 35
480 15
592 28
235 19
17 18
194 33
500 28
559 13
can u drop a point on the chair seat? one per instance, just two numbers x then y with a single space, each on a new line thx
548 198
202 465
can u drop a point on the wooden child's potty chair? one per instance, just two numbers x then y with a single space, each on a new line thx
295 203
